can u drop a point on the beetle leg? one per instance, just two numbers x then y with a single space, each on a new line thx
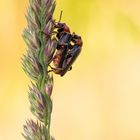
73 34
49 71
51 67
55 70
50 34
53 22
70 68
56 24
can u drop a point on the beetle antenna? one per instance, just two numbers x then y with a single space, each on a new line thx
60 16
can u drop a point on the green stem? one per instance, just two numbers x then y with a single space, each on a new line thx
49 122
44 77
49 117
49 106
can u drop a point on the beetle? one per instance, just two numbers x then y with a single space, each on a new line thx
63 63
64 38
68 48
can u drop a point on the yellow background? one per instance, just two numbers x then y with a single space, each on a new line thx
100 98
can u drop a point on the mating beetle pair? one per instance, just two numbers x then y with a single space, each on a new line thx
68 48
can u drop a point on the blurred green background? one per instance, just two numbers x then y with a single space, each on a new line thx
100 98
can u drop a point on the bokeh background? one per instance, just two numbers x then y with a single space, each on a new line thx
100 98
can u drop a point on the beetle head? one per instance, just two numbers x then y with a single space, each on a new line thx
63 27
